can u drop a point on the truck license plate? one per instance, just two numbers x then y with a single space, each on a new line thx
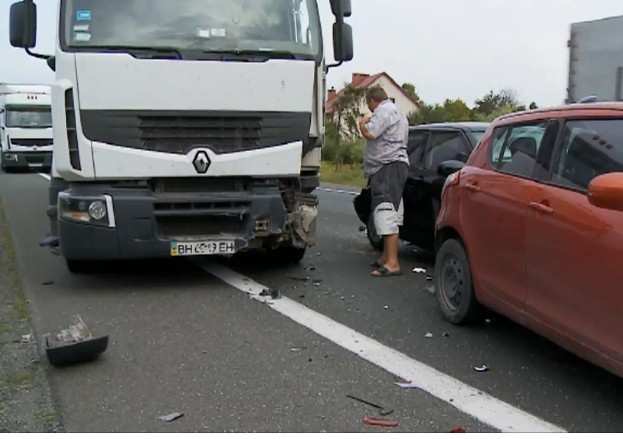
203 248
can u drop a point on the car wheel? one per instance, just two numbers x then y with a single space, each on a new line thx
453 284
376 241
78 266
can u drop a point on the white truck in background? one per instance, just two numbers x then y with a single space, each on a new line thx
596 60
25 127
185 128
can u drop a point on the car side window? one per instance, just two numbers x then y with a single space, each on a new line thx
417 141
589 148
446 145
514 148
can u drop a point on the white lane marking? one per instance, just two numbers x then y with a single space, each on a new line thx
465 398
337 191
45 176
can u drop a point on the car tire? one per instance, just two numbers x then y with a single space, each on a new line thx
376 241
454 288
79 266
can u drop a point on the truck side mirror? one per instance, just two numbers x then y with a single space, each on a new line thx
23 24
342 42
341 8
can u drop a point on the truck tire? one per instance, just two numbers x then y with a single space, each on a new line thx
453 285
288 255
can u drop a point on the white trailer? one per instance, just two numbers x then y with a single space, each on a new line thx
185 128
25 127
596 60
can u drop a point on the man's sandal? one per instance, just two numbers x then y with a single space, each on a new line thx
385 272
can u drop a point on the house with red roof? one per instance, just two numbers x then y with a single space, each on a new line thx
395 92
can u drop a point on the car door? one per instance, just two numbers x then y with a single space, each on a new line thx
418 139
446 144
494 209
573 249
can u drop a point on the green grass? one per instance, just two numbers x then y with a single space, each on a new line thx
19 378
48 418
347 175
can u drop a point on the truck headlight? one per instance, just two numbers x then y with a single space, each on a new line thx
89 210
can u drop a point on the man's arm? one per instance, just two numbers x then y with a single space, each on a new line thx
362 127
372 126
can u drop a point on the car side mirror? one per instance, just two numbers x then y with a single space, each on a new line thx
449 167
606 191
23 25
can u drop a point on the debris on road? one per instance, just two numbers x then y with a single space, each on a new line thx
386 307
75 344
310 268
299 278
272 292
26 338
445 335
382 410
362 228
298 349
48 282
431 289
317 282
482 368
419 270
380 422
429 277
407 385
429 335
458 430
49 241
171 417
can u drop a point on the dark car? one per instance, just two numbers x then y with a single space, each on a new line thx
435 151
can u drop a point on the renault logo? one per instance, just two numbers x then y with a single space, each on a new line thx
201 162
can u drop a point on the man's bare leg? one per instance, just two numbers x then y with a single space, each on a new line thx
389 259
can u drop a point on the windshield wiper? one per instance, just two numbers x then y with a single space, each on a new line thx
140 51
266 54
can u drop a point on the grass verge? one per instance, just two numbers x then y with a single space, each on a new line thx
346 175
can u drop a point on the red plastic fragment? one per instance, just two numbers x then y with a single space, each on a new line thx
380 422
458 430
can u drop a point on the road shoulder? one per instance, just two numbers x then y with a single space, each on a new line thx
26 403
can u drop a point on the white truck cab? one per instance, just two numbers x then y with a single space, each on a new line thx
185 128
25 127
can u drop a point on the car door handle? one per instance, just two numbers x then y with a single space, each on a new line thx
540 207
472 187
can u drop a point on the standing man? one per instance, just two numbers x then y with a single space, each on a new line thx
386 165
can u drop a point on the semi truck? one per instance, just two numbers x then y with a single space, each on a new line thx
185 128
596 60
25 127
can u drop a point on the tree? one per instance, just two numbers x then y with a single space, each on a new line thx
346 112
410 90
533 106
492 101
452 110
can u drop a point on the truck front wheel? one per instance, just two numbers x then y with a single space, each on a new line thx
288 255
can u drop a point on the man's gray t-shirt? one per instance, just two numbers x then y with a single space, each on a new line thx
390 129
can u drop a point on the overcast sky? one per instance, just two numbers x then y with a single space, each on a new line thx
446 48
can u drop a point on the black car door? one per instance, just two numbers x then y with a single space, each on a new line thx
418 140
447 144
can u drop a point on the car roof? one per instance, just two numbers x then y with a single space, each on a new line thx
575 109
468 125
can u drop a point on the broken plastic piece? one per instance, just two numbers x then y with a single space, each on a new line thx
49 241
75 344
171 417
380 422
445 335
419 270
429 335
429 277
26 338
272 292
482 368
458 430
382 410
408 385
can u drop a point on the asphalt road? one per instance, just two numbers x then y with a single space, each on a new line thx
185 337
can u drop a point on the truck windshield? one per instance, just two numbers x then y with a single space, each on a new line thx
264 26
28 118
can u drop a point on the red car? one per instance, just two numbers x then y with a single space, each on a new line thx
532 228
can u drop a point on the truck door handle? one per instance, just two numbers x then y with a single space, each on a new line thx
540 207
472 187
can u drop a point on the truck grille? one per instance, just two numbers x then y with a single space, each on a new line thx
179 135
31 142
195 227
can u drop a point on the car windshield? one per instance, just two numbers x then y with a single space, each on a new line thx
265 26
29 118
